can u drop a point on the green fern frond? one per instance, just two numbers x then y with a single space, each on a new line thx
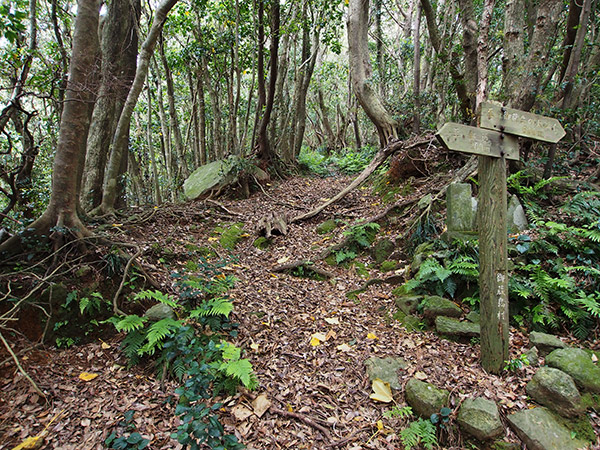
420 431
158 296
219 306
130 323
131 345
157 333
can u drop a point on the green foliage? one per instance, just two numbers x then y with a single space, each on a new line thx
131 441
515 364
397 412
78 318
419 432
348 161
360 237
231 236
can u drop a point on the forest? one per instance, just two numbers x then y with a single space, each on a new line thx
234 224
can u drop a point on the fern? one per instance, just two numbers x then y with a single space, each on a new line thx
157 333
130 323
158 296
131 345
214 307
233 366
420 432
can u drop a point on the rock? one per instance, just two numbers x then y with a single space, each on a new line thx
386 369
577 363
261 243
516 220
382 250
388 266
533 356
503 445
434 306
424 398
540 430
409 303
556 390
159 311
480 418
454 327
545 343
473 317
421 253
326 227
207 177
408 321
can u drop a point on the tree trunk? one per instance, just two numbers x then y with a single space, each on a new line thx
470 32
61 213
514 49
482 53
569 40
417 72
157 196
361 72
119 141
119 53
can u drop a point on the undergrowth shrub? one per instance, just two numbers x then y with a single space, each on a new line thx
192 348
360 237
347 161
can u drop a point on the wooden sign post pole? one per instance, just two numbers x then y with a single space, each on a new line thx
495 142
493 265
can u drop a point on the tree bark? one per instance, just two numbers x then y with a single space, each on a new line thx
361 72
119 141
482 53
61 213
470 33
417 72
514 49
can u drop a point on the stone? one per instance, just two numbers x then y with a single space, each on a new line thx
460 214
424 398
207 177
480 418
84 271
386 369
388 266
473 317
408 321
453 327
421 253
382 249
409 303
326 227
545 343
577 363
539 429
555 389
516 220
434 306
159 311
533 356
261 243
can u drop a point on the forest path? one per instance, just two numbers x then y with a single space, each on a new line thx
319 393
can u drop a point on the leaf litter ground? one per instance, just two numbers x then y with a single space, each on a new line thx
305 338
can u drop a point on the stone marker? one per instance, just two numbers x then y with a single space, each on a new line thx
540 430
480 418
577 363
515 216
556 390
424 398
461 211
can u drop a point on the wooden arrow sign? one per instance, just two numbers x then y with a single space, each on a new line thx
520 123
466 139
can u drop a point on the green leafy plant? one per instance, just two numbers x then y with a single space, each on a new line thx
398 412
132 440
515 364
419 432
360 237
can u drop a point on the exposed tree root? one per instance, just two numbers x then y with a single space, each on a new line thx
306 264
302 418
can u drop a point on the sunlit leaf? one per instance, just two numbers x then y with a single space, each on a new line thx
332 320
344 348
381 391
372 336
86 376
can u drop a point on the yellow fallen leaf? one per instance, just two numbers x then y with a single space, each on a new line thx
314 342
381 391
380 425
332 320
86 376
213 239
105 346
289 408
372 336
254 347
31 443
344 348
320 336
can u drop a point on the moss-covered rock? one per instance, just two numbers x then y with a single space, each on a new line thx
262 243
545 343
480 418
386 369
326 227
382 250
424 398
556 390
434 306
577 363
409 303
388 266
452 327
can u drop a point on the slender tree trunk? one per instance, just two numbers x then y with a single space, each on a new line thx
570 35
469 41
482 53
201 119
361 72
119 141
417 72
157 196
514 49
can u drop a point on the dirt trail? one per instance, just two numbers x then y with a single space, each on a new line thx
319 394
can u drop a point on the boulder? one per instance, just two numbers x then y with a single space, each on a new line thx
159 311
480 418
533 356
409 303
207 177
386 369
453 327
424 398
556 390
434 306
539 429
545 343
326 227
473 316
577 363
382 250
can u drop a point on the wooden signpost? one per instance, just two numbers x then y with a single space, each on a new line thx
495 142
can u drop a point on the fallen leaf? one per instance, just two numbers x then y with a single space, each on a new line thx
241 413
330 335
282 260
314 342
420 375
382 391
31 443
594 358
332 320
254 347
380 425
317 338
344 348
261 404
86 376
105 346
372 336
86 422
